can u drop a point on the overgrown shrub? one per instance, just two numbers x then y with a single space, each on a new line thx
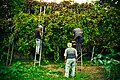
111 64
12 73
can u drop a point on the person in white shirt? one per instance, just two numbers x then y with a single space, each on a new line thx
70 60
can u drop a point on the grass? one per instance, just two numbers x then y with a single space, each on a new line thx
56 72
52 71
40 73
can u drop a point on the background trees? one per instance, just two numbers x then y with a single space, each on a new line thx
100 24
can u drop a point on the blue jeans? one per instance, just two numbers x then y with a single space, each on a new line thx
70 63
38 45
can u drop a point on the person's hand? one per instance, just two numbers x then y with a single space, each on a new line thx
73 35
65 61
76 60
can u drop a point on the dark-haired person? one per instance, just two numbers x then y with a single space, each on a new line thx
78 34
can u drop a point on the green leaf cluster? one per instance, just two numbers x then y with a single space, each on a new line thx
13 72
110 64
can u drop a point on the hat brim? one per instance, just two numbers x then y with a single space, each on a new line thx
40 26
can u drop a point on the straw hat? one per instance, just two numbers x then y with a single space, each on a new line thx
69 44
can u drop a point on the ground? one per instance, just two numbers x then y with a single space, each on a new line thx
94 72
53 71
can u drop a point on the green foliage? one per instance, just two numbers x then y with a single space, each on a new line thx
21 71
41 73
115 72
109 62
13 72
25 26
114 3
58 27
100 24
46 61
8 9
62 65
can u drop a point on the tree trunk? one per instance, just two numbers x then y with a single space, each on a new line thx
93 53
8 55
11 54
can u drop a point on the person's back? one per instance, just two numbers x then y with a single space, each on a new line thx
70 59
38 36
71 53
77 32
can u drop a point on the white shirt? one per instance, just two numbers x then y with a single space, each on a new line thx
65 54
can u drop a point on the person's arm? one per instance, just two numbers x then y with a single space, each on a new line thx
65 55
40 35
65 59
73 32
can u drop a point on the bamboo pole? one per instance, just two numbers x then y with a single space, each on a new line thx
81 57
42 37
40 54
92 53
8 55
11 54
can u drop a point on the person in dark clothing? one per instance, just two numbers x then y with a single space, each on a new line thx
78 34
38 35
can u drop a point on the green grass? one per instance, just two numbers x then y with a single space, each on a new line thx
25 71
41 73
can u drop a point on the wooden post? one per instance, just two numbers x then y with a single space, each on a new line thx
11 54
8 55
41 40
93 50
92 53
81 57
40 53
